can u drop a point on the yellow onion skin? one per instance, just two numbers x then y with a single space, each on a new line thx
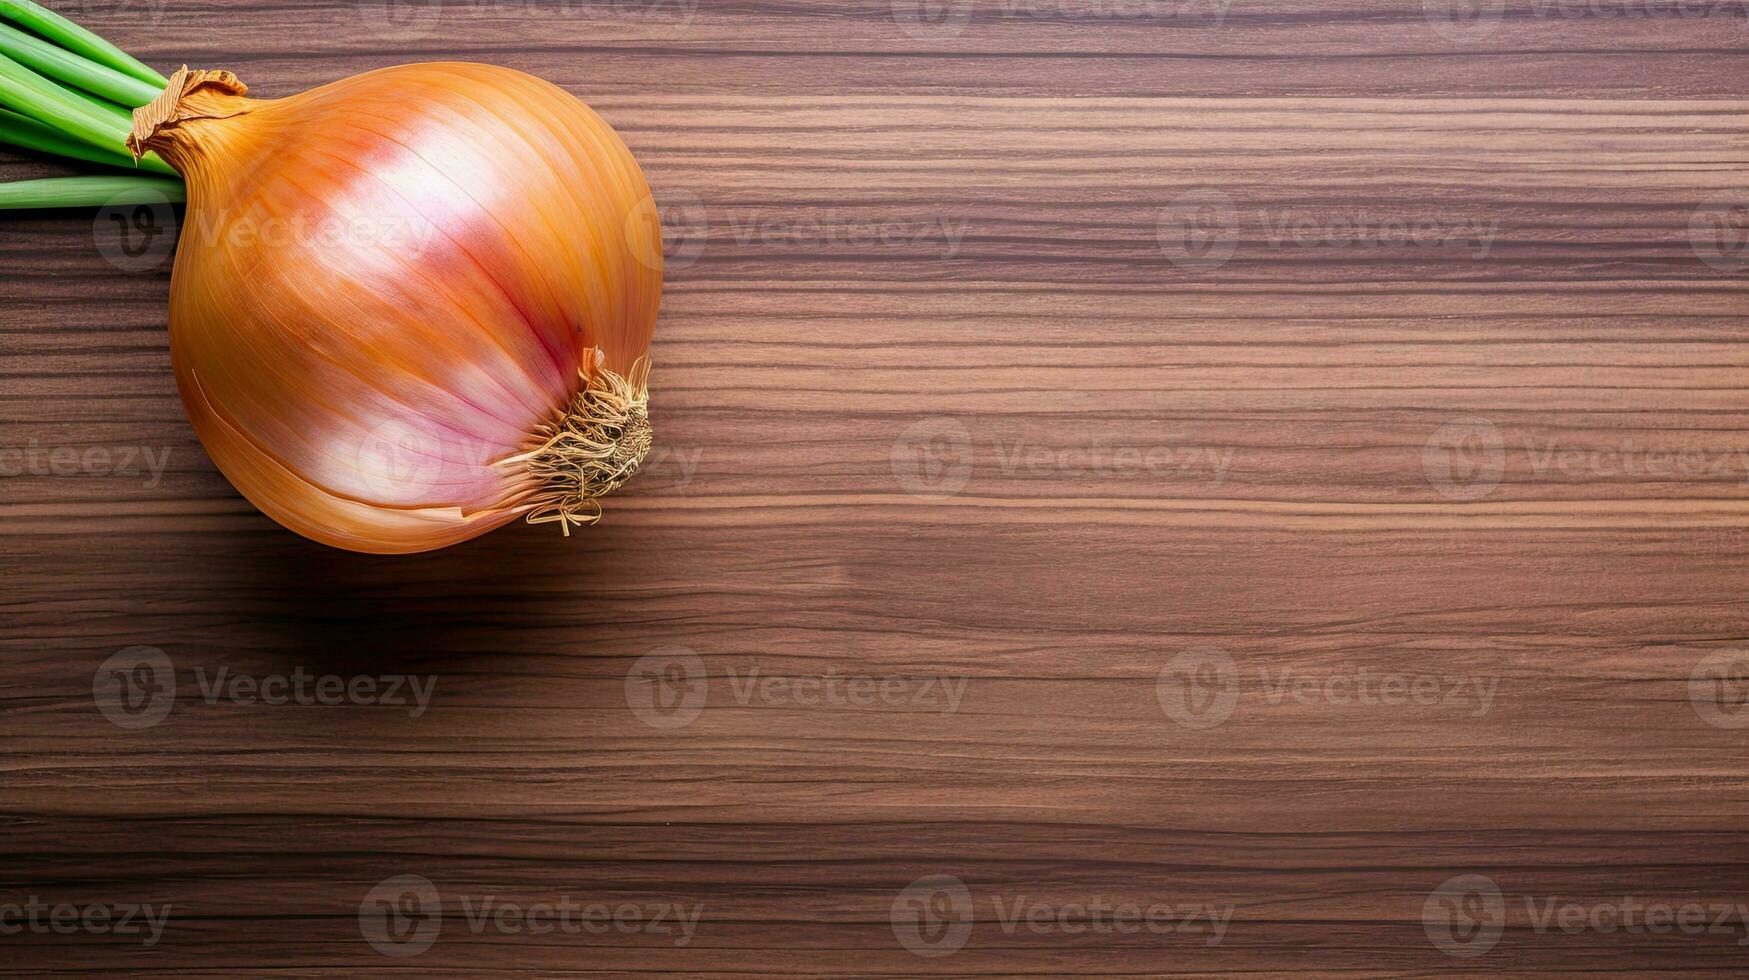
391 288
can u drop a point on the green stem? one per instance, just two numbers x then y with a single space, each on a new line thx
100 124
76 39
90 192
64 66
17 130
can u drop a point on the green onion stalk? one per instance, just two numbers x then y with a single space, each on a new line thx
65 92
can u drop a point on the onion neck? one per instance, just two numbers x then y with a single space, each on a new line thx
172 123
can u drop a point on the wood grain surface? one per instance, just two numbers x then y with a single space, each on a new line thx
1144 489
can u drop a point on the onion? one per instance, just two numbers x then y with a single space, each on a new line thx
411 305
407 307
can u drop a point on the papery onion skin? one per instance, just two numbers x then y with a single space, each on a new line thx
391 291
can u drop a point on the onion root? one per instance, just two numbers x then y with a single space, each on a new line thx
592 448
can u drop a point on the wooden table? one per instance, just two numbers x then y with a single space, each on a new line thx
1144 489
